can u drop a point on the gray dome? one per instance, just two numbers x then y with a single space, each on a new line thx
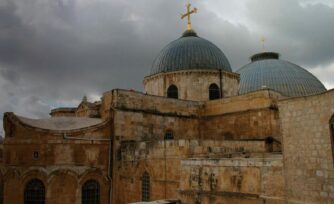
190 52
267 71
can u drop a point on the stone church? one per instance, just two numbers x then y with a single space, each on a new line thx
200 133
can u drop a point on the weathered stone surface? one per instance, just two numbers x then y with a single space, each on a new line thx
222 151
192 85
307 148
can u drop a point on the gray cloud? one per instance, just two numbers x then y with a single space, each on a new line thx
52 52
302 32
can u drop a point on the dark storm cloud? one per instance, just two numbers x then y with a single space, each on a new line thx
304 33
52 52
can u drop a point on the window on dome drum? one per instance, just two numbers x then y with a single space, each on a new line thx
34 192
145 187
90 192
332 134
172 92
169 135
214 92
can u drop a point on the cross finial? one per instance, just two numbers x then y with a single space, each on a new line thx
189 12
263 41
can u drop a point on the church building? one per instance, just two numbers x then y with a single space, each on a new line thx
199 133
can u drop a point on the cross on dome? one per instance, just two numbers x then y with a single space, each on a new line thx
188 14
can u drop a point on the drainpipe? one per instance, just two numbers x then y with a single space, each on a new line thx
221 83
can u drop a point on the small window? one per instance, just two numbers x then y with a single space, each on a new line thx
172 92
214 92
145 187
169 135
34 192
228 136
91 192
36 155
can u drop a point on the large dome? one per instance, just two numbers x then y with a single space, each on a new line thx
267 71
190 52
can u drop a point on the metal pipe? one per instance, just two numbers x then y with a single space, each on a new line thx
221 83
81 138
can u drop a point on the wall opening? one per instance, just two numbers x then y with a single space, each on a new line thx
169 135
34 192
172 92
214 92
145 187
91 192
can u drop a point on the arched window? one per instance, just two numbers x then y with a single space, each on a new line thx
145 187
214 92
90 192
169 135
34 192
332 134
172 92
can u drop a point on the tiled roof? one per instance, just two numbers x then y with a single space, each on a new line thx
190 52
268 71
61 123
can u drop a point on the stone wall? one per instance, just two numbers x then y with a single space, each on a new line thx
250 116
235 181
192 84
60 161
138 102
229 169
252 101
307 149
143 117
63 112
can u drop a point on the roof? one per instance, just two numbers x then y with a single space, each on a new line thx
159 202
267 71
190 52
61 123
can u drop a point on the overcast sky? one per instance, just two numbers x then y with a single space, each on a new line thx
53 52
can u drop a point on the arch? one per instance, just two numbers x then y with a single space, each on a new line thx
214 92
90 192
172 92
103 180
34 192
30 174
145 187
331 128
169 135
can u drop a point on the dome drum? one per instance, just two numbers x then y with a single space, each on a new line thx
194 84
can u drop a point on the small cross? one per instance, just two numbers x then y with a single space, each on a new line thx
263 40
189 12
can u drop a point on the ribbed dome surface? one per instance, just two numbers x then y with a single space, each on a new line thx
190 52
267 71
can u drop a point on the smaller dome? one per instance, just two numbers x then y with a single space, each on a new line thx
190 52
267 71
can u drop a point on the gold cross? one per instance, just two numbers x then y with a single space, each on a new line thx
189 12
